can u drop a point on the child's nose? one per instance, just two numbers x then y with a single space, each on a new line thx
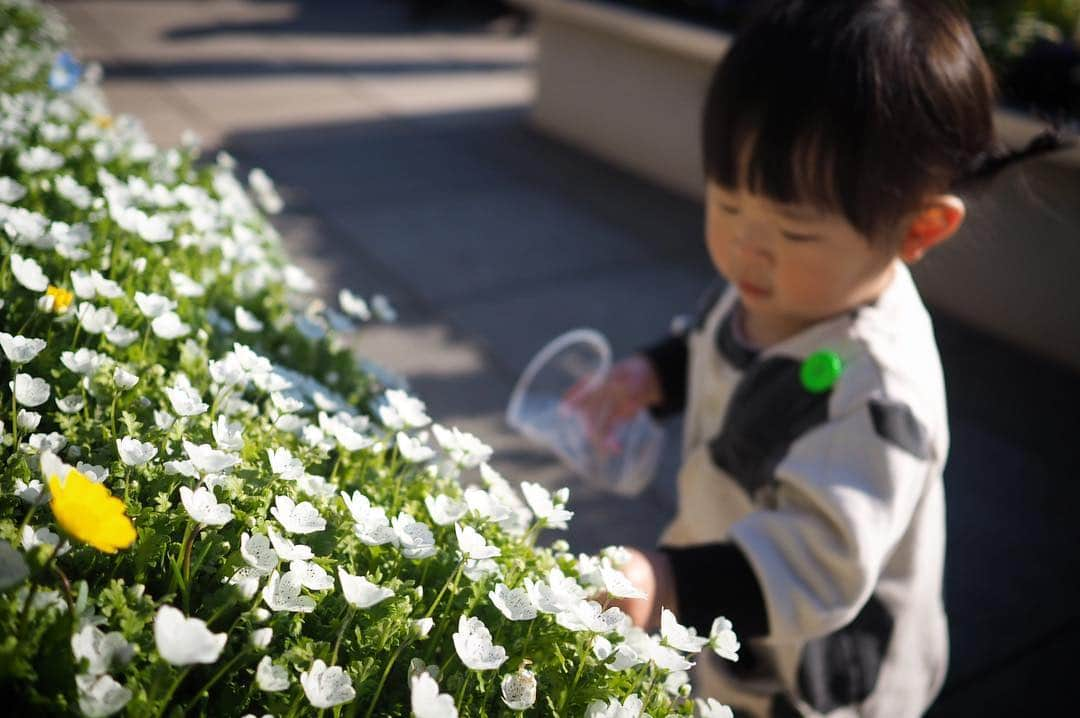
751 242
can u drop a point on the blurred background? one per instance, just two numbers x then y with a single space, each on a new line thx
504 172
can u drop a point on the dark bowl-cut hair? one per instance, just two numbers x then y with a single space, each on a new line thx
861 107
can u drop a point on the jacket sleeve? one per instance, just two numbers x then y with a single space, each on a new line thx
669 359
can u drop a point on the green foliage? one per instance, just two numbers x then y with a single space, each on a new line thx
189 332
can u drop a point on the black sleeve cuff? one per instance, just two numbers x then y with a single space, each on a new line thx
716 580
669 359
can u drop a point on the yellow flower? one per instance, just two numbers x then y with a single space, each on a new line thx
61 298
103 121
86 510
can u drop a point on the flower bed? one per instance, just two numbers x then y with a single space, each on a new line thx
209 507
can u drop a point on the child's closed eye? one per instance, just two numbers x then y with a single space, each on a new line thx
799 237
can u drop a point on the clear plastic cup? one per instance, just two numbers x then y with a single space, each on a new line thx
537 410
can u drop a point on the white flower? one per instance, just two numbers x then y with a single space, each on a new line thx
282 593
94 320
426 700
203 506
382 308
209 460
71 404
286 549
315 485
515 604
19 349
712 708
247 321
83 362
124 379
121 336
153 306
630 708
32 492
472 641
261 637
559 593
72 191
185 286
100 696
186 401
163 419
41 537
349 437
372 525
414 538
134 452
53 441
402 411
100 649
618 585
30 390
361 592
326 687
519 690
463 449
540 501
587 616
169 326
28 420
271 678
423 626
302 518
444 510
678 636
182 641
95 473
184 468
666 658
10 190
722 639
258 553
472 544
311 575
354 305
412 449
297 279
28 273
103 286
228 435
486 506
675 681
13 568
284 464
265 192
39 159
479 570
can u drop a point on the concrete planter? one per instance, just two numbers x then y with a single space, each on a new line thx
628 86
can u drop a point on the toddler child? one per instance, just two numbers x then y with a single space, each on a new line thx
810 501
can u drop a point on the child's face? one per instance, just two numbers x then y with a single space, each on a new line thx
792 266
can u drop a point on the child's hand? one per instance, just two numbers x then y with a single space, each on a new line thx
630 386
651 572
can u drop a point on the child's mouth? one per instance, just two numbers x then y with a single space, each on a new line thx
752 290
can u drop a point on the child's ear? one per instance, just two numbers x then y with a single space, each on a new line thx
937 220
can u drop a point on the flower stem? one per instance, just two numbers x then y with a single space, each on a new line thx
461 692
341 632
172 689
24 616
214 679
382 680
454 580
583 648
